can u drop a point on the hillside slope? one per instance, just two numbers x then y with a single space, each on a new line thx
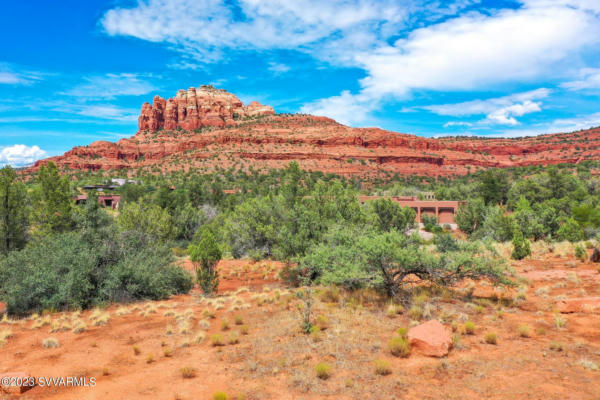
206 128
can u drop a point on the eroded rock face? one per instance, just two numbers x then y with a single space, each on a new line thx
431 338
197 107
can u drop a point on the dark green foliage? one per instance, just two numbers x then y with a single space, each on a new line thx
469 216
570 230
389 215
53 200
445 242
521 247
206 254
69 271
580 252
494 186
358 258
14 212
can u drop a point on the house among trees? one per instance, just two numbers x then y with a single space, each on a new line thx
105 200
443 210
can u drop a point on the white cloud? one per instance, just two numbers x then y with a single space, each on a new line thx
278 68
589 79
346 108
499 110
11 75
401 46
20 155
112 85
457 123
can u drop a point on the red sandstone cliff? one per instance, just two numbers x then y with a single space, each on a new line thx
235 135
196 108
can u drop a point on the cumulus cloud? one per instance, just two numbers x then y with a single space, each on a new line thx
499 110
589 79
20 155
112 85
402 47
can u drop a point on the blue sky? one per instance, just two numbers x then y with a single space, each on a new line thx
72 71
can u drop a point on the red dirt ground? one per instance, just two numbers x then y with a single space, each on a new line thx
276 361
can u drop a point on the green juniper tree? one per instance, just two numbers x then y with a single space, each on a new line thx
14 212
206 255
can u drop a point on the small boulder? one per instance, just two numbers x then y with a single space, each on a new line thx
16 382
3 308
595 257
431 338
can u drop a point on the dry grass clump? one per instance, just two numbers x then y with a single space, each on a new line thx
524 331
234 338
199 337
323 371
204 324
244 330
415 312
225 325
209 314
188 372
399 346
121 311
169 330
589 364
469 328
322 322
491 338
239 320
220 396
559 321
50 343
184 327
557 346
383 367
149 358
136 350
330 295
168 352
101 319
41 321
79 326
217 340
5 334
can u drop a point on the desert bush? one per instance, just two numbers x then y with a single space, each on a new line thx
77 271
188 372
524 331
557 346
239 320
399 346
469 328
205 255
323 371
220 396
50 343
217 340
521 246
136 350
580 252
491 338
383 367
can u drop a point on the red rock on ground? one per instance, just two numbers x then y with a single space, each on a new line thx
18 382
581 304
3 308
431 338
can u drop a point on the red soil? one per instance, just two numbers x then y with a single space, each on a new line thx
276 361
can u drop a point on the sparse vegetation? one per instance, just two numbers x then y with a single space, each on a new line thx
50 343
323 371
383 367
399 346
491 338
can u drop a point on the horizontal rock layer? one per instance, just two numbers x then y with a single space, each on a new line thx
205 128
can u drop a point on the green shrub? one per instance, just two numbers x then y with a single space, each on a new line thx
383 367
521 247
580 252
491 338
323 370
399 346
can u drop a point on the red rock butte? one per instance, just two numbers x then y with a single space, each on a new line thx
197 108
206 128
